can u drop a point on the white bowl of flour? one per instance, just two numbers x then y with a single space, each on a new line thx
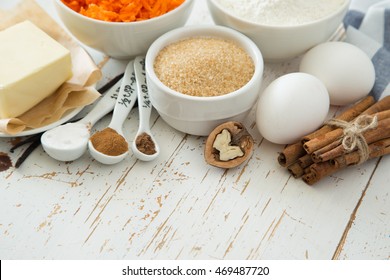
282 29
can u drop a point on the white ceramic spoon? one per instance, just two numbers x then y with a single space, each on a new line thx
126 99
69 141
145 109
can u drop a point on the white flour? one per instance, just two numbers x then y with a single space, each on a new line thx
281 12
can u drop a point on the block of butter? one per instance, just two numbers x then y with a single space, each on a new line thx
32 66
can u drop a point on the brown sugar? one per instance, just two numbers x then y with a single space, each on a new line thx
204 66
109 142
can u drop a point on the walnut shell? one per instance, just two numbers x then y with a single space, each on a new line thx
240 137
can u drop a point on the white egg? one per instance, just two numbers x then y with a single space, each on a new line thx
346 71
292 106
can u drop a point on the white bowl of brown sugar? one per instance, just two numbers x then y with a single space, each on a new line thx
201 76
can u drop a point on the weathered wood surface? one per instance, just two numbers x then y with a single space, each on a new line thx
178 207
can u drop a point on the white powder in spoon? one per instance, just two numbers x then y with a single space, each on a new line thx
281 12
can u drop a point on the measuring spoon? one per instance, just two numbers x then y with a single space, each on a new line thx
144 145
69 141
126 99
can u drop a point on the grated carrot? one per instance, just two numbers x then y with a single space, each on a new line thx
122 10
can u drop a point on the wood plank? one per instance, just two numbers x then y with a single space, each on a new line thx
368 233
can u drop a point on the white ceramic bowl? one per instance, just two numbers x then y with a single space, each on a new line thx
279 43
121 40
200 115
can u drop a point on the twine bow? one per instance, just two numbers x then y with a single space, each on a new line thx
353 134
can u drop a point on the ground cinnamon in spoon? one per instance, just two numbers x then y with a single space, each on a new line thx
109 142
145 144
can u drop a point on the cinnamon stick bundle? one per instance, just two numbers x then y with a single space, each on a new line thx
294 151
323 153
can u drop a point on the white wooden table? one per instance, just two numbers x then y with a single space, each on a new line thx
178 207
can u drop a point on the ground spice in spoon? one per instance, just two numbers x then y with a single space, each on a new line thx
145 144
109 142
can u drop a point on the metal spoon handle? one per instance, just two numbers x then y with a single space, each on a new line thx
144 105
126 98
103 107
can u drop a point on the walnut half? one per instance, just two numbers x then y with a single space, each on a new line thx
228 145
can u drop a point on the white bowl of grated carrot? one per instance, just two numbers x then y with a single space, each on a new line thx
122 32
201 76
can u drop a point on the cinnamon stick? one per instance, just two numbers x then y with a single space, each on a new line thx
382 115
381 105
305 161
300 167
315 156
323 140
290 154
296 170
310 178
318 171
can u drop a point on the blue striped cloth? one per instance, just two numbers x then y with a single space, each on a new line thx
367 25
